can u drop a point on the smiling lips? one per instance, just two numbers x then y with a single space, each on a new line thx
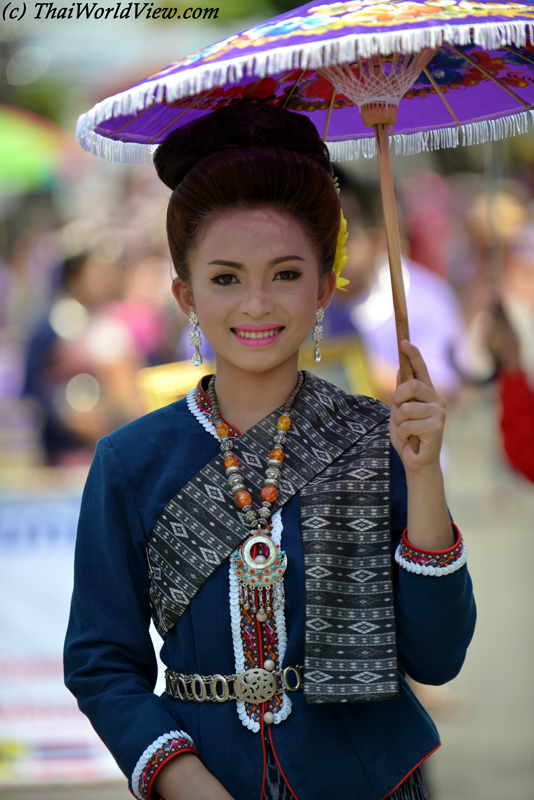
257 335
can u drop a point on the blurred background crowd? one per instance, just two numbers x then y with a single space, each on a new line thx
85 274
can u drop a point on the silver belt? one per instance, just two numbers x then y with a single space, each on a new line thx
252 686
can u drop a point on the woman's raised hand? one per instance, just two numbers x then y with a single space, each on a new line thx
185 777
417 410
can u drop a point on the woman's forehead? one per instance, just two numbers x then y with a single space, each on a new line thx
265 228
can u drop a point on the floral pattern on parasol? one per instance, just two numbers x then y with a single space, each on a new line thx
337 16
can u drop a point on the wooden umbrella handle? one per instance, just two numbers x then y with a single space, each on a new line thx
394 252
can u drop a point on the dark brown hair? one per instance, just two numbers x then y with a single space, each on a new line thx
243 157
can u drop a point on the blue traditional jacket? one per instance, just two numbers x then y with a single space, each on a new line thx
340 750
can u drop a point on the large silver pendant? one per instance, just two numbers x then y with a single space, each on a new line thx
255 686
258 574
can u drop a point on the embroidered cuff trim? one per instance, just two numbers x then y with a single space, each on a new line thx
164 748
431 562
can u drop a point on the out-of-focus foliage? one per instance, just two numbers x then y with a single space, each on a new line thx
238 9
44 97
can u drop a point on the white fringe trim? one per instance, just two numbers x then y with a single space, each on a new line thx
111 149
147 755
408 144
350 149
189 82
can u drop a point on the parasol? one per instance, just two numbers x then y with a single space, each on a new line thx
424 74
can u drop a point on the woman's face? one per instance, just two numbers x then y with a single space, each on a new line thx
254 284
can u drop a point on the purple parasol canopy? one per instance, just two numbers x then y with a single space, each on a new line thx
474 79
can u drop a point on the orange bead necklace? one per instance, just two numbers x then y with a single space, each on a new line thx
259 564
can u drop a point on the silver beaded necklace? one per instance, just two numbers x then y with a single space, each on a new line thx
259 563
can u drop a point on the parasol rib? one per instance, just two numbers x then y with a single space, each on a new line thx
488 74
133 119
438 90
517 53
196 102
330 107
290 94
249 91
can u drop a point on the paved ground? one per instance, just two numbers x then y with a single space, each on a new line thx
487 715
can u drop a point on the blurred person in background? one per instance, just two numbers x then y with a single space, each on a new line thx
516 393
518 292
436 321
356 200
499 242
81 360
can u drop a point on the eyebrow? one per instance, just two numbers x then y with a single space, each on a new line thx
272 263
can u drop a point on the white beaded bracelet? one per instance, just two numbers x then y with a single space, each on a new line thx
421 569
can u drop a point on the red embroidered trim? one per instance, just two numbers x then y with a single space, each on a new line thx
410 772
458 542
167 751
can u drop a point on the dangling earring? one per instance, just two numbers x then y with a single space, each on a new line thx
317 334
194 339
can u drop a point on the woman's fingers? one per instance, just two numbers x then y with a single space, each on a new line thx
414 389
410 410
422 428
418 364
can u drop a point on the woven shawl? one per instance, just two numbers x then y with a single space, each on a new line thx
337 457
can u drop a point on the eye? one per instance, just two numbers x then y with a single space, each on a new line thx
225 280
288 275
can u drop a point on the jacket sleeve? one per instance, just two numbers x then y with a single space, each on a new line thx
435 615
109 659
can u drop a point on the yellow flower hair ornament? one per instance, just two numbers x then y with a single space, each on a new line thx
341 258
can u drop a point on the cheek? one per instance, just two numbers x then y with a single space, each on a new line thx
303 300
209 303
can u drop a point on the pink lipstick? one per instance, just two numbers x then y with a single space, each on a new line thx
257 335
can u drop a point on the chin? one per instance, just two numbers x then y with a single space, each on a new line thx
259 362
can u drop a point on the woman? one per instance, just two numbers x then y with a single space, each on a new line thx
259 541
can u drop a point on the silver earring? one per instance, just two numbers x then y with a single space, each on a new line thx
194 339
317 334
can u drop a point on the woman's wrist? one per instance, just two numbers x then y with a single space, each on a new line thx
429 524
184 776
172 773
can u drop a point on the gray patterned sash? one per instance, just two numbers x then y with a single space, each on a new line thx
337 457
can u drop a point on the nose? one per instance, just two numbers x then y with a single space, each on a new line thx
258 301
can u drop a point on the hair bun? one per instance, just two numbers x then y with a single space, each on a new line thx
236 126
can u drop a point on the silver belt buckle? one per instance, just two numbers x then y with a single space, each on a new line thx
255 686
